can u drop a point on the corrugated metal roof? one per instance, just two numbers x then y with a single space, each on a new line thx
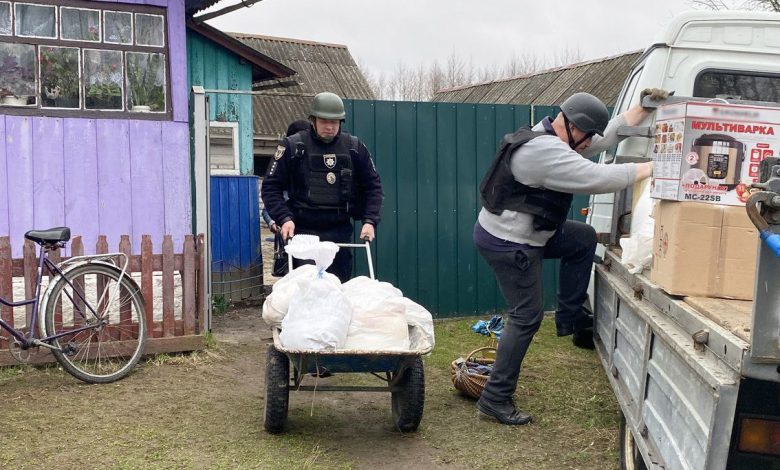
320 67
602 78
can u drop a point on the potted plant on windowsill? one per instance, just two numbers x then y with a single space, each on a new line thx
16 82
106 95
146 95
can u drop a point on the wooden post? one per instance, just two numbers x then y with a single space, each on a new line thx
188 286
147 282
125 307
6 284
77 249
101 248
203 322
54 257
30 275
167 286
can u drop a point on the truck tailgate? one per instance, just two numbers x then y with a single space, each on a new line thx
679 397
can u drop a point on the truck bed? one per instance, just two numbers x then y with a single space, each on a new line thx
733 315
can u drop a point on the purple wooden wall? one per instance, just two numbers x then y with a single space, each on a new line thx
102 176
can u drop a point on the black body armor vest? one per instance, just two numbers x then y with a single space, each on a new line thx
323 178
499 189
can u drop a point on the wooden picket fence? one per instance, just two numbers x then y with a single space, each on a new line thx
169 332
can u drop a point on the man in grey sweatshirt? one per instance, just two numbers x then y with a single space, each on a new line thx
526 196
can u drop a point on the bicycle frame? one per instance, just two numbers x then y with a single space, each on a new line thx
54 270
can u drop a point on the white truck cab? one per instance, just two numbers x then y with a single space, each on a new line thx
691 392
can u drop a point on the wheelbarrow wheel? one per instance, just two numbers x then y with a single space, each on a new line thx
408 398
277 379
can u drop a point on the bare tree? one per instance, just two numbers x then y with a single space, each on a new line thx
766 5
566 56
424 81
523 64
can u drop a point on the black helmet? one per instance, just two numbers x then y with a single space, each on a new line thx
586 112
327 105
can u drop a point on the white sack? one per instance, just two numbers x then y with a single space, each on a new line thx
638 247
378 329
420 323
310 247
292 284
373 298
318 318
319 313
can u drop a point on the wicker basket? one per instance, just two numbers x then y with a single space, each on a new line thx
471 384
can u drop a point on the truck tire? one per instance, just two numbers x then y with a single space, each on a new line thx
277 393
630 457
408 399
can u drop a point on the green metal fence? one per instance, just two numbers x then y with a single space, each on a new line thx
431 157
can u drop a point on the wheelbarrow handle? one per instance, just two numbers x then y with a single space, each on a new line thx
366 244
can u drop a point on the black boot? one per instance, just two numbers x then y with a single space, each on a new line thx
564 328
504 413
583 332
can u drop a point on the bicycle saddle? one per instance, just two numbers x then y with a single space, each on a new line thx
49 236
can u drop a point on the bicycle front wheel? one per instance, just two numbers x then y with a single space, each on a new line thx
98 323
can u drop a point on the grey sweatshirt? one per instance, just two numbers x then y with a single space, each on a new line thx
548 162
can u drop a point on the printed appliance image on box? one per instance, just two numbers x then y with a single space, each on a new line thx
710 152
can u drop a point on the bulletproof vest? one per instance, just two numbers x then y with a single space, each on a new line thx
500 190
323 171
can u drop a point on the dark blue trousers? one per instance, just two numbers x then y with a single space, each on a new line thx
519 276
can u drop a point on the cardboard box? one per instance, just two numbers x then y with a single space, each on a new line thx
709 152
704 250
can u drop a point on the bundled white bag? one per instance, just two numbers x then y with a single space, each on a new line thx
420 323
383 319
291 285
319 315
638 248
382 328
375 326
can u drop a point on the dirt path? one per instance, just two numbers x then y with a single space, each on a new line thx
361 426
199 411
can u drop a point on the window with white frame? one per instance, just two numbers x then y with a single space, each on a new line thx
223 148
83 57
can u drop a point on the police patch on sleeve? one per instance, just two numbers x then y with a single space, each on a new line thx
279 152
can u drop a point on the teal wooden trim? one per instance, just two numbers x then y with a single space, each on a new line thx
211 66
245 128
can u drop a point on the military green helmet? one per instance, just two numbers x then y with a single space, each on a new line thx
586 112
327 105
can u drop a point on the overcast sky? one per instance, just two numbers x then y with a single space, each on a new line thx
382 34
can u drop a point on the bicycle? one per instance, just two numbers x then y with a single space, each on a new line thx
94 320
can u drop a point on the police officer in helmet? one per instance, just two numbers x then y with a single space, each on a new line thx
330 179
526 196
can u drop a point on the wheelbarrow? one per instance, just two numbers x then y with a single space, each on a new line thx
401 374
